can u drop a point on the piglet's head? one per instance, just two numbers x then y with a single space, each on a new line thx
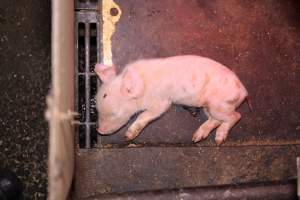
117 98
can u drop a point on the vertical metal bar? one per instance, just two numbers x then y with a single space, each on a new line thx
298 177
87 86
76 77
98 60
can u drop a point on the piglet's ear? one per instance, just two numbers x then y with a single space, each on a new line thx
132 84
105 72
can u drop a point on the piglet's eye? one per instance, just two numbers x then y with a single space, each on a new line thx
104 95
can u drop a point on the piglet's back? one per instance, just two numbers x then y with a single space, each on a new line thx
179 77
181 64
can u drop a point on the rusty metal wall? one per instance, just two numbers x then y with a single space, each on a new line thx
101 171
259 40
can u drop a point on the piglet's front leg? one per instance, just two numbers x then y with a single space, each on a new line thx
145 118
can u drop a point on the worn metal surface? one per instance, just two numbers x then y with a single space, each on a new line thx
259 40
265 191
86 4
139 169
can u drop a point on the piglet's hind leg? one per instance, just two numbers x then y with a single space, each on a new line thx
229 121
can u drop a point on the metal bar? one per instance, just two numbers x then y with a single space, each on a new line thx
266 191
84 73
76 140
98 60
60 103
298 177
86 123
86 16
87 86
87 5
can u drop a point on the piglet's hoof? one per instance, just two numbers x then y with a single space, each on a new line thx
126 138
196 138
219 140
129 136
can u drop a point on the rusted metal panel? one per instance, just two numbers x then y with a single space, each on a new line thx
256 39
138 169
266 191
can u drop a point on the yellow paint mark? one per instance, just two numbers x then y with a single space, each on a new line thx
109 27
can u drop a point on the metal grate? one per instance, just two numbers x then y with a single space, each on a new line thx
87 54
86 4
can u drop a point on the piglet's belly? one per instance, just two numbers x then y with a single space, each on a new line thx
191 99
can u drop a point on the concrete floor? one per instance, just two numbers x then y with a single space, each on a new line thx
25 53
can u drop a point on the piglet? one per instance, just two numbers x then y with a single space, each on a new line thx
150 86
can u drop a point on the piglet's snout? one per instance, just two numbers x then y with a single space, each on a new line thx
105 128
102 130
99 130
